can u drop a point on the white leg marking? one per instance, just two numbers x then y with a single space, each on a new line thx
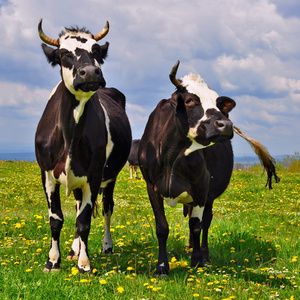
107 241
54 252
197 212
83 260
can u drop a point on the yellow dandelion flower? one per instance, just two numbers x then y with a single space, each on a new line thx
84 280
130 268
103 281
28 270
120 290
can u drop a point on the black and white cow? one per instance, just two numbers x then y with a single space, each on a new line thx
186 157
133 158
82 140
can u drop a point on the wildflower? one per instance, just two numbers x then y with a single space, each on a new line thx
130 268
294 259
120 290
103 281
196 295
28 270
84 280
74 271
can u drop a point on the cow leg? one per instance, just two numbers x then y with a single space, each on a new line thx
195 224
107 210
135 171
83 224
162 230
207 218
130 168
74 253
55 219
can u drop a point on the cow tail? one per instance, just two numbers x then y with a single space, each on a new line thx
95 210
264 156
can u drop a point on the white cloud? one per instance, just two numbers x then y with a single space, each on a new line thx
249 50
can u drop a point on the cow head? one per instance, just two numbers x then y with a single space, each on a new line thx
80 58
200 110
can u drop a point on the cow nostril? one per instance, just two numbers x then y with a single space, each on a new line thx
220 124
82 73
97 71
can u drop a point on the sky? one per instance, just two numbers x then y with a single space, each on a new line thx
246 50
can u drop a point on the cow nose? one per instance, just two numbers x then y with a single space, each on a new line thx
224 126
89 73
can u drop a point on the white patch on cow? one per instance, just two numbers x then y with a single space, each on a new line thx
105 183
75 247
66 42
54 252
79 109
83 259
194 84
107 241
195 146
162 264
109 145
69 180
197 212
68 77
183 198
50 185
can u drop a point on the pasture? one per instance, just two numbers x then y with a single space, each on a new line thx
254 243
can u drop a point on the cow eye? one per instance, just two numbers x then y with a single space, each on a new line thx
189 101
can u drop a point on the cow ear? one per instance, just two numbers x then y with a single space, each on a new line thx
104 49
51 55
181 113
225 104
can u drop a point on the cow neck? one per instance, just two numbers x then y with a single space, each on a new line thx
72 129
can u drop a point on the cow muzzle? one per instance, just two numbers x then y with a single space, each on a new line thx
213 130
220 130
88 78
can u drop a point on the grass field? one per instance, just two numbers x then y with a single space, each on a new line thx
254 243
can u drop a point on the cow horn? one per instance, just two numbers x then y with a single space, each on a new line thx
46 39
103 33
172 74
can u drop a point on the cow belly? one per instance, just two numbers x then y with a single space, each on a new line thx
183 198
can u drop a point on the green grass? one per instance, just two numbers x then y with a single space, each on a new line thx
254 243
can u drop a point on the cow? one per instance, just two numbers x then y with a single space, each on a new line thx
82 140
133 158
186 157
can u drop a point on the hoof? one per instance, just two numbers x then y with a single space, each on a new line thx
47 271
107 251
162 271
72 257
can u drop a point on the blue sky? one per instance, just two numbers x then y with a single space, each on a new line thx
247 50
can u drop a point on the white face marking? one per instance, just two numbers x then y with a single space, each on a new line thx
183 198
197 212
194 84
67 74
67 42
